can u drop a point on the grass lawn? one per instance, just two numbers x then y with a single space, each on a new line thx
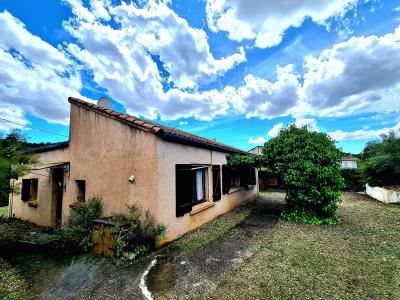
358 259
4 211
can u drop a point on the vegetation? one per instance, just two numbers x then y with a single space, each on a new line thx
357 259
76 234
138 234
213 230
309 165
12 285
380 164
353 179
4 212
12 163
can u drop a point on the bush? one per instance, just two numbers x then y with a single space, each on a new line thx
309 165
353 179
380 161
76 234
138 235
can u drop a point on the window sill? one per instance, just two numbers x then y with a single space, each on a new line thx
200 207
75 205
32 203
235 189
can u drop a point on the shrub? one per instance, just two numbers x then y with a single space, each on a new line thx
137 236
76 234
309 165
380 161
353 179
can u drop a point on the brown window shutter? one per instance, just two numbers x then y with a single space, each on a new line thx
226 179
216 171
26 189
185 191
253 176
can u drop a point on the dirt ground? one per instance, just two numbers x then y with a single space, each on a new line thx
248 253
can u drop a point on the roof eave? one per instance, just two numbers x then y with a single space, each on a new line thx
196 143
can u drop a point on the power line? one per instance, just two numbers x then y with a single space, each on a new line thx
38 129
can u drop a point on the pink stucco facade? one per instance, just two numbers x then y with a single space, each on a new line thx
107 154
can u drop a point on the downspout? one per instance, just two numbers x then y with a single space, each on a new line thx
10 200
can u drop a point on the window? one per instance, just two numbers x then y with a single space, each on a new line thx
80 190
226 179
29 189
216 171
190 187
237 177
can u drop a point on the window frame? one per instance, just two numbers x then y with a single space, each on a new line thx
78 182
184 204
28 193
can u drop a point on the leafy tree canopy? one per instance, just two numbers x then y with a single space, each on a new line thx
12 163
309 166
380 161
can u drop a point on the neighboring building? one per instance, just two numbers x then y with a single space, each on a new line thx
181 178
349 162
256 150
266 180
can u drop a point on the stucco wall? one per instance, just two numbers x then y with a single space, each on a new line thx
170 154
44 213
105 153
382 194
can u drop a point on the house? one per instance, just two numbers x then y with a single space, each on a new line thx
266 180
256 150
181 178
348 162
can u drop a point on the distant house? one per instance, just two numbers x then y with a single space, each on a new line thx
256 150
181 178
349 162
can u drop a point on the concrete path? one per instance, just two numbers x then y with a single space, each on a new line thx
168 274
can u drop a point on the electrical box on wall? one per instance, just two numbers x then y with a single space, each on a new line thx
132 179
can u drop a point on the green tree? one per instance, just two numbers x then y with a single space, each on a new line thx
13 164
380 161
309 165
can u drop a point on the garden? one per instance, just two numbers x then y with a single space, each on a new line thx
311 241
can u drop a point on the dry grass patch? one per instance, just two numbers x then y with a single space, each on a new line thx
358 259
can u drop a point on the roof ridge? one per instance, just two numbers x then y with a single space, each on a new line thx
164 131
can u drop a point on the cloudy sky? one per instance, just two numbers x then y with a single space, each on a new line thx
234 70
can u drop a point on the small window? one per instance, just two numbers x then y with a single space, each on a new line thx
235 178
80 190
29 189
190 187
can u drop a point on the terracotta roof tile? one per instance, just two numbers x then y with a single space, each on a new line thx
165 132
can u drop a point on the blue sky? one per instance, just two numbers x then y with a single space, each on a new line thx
233 70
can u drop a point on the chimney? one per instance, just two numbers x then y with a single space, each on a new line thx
104 102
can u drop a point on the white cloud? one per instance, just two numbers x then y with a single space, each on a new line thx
359 75
120 59
309 122
12 113
267 21
340 135
154 29
183 123
275 130
257 141
35 76
264 99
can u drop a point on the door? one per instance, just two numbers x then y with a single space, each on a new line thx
58 190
